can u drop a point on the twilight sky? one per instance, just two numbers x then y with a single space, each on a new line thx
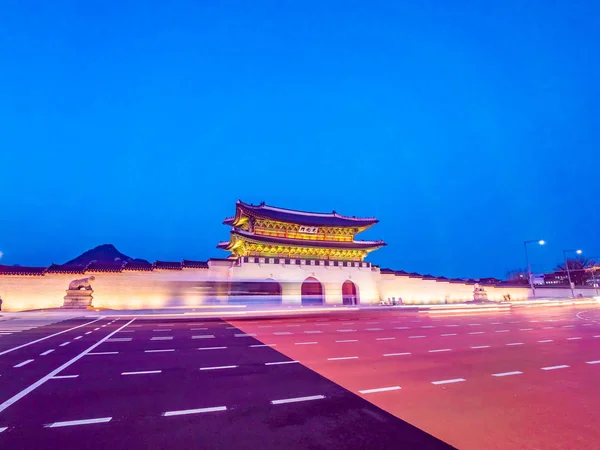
465 127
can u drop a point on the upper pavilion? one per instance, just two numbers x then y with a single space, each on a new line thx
262 230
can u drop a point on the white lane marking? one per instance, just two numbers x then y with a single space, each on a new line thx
428 326
198 329
78 337
515 322
593 362
217 367
313 332
96 329
502 331
597 336
160 350
297 399
587 324
64 344
182 412
564 366
265 326
525 329
78 422
341 358
568 326
102 326
64 377
453 380
212 348
374 329
453 325
24 363
547 340
245 335
383 389
547 328
103 353
481 346
516 343
162 330
281 333
385 339
506 374
396 354
130 331
262 345
370 323
477 332
41 381
48 337
3 429
348 340
231 328
164 325
532 321
496 323
321 324
204 336
305 343
448 334
573 338
441 350
345 331
47 352
119 340
402 328
141 372
277 363
88 332
474 324
416 337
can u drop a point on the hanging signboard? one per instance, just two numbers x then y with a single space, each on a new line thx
309 230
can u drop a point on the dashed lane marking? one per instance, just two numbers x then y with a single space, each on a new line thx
573 338
277 363
204 336
281 333
385 339
342 358
245 334
182 412
383 389
47 352
593 362
448 334
63 377
568 326
103 353
547 328
212 348
314 332
546 340
89 332
199 329
96 329
477 332
474 324
297 399
440 350
345 331
262 345
78 337
496 323
502 331
3 429
24 363
428 326
481 346
305 343
142 372
48 337
506 374
453 380
525 329
164 338
65 344
564 366
397 354
160 350
162 330
217 367
348 340
78 422
416 337
402 328
516 343
374 329
120 339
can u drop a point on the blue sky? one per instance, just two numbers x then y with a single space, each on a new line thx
465 127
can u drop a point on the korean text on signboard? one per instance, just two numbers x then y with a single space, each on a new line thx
309 230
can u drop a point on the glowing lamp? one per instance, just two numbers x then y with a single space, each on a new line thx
542 242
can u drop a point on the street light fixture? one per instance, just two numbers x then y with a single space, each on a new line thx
529 276
579 252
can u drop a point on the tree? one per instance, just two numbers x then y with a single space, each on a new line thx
579 270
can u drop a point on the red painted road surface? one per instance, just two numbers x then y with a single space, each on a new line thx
526 379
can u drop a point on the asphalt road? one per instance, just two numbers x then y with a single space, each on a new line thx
156 384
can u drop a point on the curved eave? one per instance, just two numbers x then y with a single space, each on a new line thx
301 217
355 245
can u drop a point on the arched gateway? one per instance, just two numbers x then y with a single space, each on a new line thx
349 293
312 292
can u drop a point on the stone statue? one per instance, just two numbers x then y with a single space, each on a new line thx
479 293
82 284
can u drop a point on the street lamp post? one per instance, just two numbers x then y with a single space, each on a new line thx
529 275
568 271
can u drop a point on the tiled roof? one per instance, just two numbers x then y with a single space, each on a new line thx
65 268
105 267
195 264
309 243
332 219
387 272
167 265
21 270
138 266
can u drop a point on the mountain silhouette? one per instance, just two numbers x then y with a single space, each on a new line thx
103 254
